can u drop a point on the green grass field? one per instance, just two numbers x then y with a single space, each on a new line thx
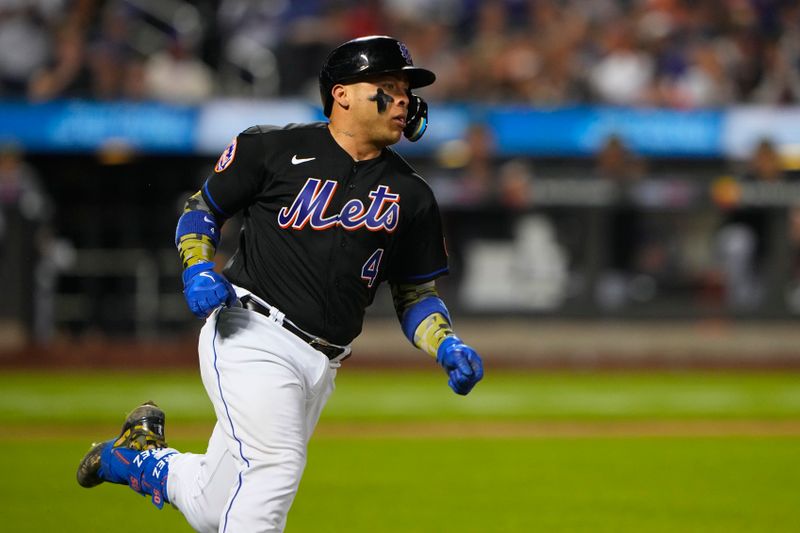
398 452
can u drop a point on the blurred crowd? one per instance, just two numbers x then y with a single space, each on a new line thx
673 53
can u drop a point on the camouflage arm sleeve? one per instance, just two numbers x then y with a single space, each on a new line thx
432 329
197 247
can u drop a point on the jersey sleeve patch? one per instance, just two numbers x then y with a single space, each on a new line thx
226 158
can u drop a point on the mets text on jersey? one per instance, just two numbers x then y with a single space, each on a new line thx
312 201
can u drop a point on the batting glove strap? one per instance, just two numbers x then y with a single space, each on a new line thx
194 270
462 364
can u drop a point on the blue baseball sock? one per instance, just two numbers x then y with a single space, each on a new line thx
145 472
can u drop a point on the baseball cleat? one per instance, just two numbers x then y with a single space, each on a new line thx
143 430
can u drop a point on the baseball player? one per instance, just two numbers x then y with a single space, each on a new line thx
330 212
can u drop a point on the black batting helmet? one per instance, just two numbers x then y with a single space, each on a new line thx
365 56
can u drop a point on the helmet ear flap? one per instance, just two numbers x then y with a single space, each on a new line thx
417 118
325 87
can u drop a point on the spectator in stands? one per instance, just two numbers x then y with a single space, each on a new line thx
559 33
624 72
176 75
742 240
24 43
615 161
477 183
485 50
434 44
466 169
766 164
107 66
308 36
252 36
515 184
134 80
780 81
19 184
68 75
638 251
24 209
702 82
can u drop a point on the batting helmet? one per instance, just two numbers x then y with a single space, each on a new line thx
365 56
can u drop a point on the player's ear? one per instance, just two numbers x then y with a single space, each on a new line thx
341 95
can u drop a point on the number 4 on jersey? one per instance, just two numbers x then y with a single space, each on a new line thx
369 271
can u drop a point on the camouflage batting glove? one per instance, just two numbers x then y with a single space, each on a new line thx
205 290
462 364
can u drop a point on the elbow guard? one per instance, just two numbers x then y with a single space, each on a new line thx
418 312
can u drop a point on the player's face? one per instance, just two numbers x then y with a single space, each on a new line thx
382 117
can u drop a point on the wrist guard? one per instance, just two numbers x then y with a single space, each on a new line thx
196 237
417 313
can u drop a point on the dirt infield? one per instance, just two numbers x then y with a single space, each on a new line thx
459 430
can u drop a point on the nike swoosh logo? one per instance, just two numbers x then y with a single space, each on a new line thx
206 219
297 161
207 275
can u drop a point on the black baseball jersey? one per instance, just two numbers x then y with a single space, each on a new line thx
320 230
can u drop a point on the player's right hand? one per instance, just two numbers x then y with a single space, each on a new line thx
462 364
205 290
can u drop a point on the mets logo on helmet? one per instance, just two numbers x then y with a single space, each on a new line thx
226 158
405 53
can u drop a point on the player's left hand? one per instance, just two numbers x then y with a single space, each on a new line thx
462 364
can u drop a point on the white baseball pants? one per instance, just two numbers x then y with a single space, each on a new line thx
268 388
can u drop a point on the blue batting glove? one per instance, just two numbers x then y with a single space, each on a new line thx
462 364
205 290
